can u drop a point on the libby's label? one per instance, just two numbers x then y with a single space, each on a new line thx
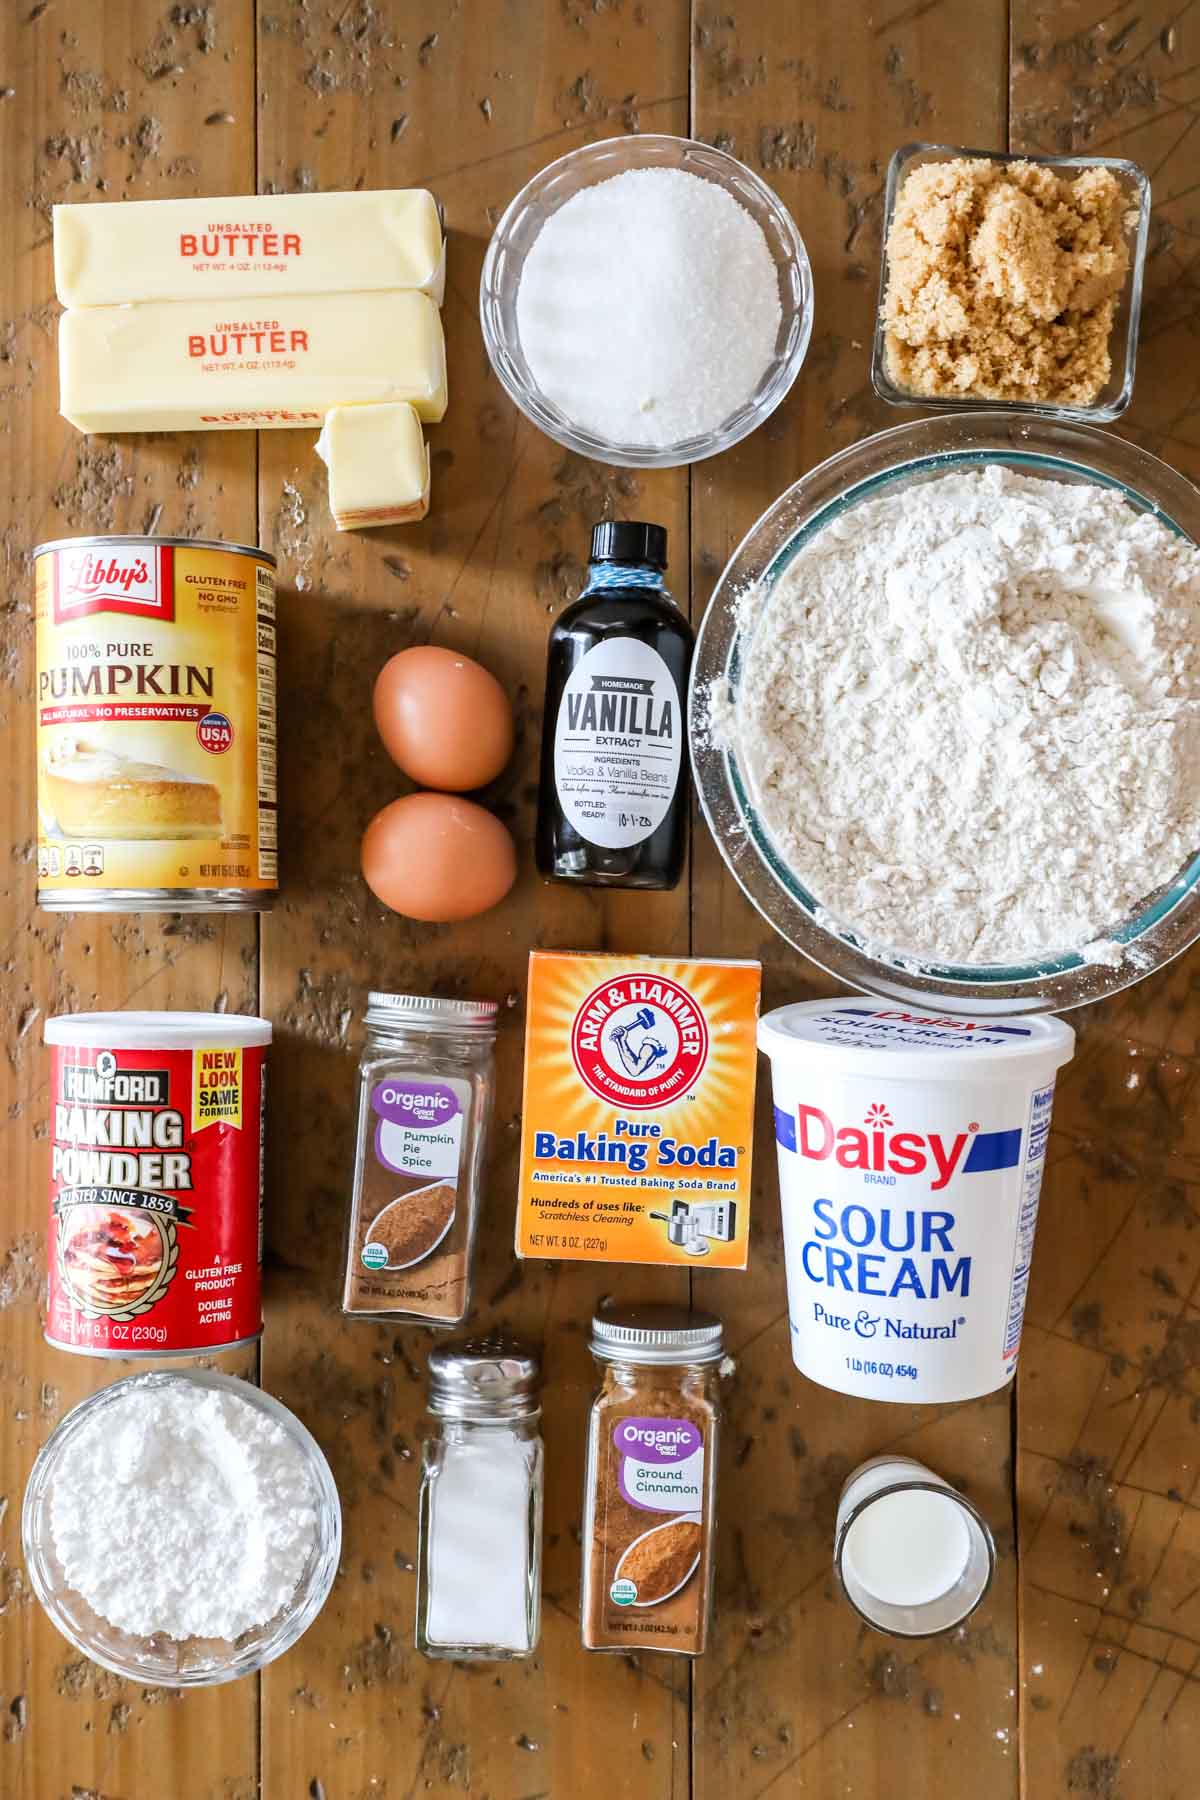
909 1212
155 718
155 1198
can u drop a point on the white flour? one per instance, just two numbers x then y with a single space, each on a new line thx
969 715
184 1512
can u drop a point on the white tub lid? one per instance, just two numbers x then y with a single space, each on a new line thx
156 1030
862 1036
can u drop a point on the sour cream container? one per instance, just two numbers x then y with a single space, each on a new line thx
911 1148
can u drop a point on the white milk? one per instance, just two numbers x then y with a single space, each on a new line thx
911 1147
908 1548
913 1556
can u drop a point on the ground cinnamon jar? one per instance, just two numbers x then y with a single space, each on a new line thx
650 1500
424 1101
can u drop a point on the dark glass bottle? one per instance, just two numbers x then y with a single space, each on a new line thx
613 799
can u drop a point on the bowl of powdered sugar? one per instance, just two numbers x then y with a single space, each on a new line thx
181 1528
646 301
946 713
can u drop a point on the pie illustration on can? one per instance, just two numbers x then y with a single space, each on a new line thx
98 792
112 1258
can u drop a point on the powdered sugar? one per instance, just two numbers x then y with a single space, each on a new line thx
969 715
183 1511
648 307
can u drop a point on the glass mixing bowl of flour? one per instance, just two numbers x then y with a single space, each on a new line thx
524 220
160 1660
1158 927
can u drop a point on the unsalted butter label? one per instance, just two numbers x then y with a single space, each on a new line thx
108 254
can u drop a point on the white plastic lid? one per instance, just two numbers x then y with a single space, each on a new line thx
861 1036
156 1030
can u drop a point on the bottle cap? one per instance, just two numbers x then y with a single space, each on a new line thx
656 1334
432 1010
629 541
484 1378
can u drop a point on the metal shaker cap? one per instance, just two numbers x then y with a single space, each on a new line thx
484 1378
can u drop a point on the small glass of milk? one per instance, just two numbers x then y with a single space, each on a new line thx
913 1555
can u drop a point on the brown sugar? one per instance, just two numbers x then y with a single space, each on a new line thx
661 1561
409 1227
1003 281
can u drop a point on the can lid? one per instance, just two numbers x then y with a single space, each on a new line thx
123 539
654 1333
861 1036
155 1030
431 1009
629 541
484 1378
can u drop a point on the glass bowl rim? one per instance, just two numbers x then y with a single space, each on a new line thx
1054 982
291 1623
640 148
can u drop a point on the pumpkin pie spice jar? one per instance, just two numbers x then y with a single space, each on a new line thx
425 1086
650 1500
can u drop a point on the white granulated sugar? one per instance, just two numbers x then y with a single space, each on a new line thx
969 716
183 1511
648 307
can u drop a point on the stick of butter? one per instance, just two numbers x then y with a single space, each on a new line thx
109 254
378 465
198 366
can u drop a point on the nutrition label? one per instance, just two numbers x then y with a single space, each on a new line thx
1035 1158
618 744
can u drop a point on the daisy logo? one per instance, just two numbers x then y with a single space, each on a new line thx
878 1116
640 1041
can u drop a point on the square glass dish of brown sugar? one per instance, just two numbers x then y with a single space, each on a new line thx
1010 281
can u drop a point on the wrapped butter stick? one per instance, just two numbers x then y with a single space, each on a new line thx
208 365
108 254
378 465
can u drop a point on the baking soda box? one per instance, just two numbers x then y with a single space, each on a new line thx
638 1125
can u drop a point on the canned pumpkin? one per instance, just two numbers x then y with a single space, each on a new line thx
155 725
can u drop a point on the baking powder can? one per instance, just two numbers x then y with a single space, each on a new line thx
156 1182
911 1149
155 725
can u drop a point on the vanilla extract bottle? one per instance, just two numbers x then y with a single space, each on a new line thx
613 797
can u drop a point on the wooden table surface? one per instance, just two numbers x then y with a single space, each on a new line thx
1081 1674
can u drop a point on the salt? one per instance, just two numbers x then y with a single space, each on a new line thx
478 1537
648 307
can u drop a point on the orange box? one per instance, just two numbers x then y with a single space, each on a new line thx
638 1124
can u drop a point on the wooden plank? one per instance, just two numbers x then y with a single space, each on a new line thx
108 100
1108 1474
797 1696
471 102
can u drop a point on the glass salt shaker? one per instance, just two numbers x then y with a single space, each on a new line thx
479 1568
425 1086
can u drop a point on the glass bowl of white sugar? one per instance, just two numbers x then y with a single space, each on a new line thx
181 1528
945 714
646 301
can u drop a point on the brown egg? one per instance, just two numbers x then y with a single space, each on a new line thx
435 857
443 718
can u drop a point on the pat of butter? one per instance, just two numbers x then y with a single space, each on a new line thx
378 466
112 253
199 366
